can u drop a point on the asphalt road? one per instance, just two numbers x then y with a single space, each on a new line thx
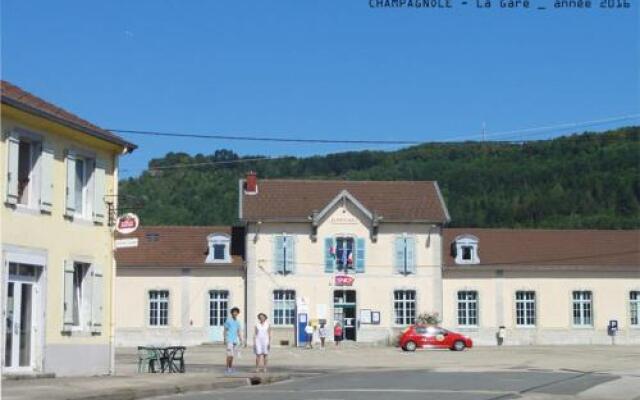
418 385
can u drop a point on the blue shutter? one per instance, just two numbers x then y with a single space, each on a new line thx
399 255
278 256
329 260
291 254
360 255
411 255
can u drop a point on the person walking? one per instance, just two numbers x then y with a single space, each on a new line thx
232 337
262 342
322 332
309 331
337 333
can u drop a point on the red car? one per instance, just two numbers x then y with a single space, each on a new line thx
421 336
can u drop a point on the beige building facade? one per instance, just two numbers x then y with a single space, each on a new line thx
337 252
176 285
542 286
59 181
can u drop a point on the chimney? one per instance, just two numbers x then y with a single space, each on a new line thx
251 183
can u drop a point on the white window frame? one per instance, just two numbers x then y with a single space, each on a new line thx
81 295
36 143
216 239
580 304
464 305
634 308
159 301
405 304
344 268
525 308
284 302
467 241
218 304
87 201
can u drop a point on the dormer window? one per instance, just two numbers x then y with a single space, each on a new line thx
219 248
465 250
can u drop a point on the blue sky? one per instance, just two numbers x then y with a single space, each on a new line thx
328 69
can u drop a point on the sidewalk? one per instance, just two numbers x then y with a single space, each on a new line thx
127 387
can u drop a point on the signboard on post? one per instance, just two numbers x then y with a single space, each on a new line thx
127 223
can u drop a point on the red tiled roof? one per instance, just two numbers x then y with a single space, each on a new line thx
282 199
15 96
541 247
177 246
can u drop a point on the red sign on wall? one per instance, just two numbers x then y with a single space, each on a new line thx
344 280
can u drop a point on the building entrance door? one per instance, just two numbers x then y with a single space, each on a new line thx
344 312
19 335
218 312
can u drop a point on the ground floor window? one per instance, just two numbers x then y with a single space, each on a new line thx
582 308
159 307
81 290
525 308
218 307
634 297
404 307
284 307
468 308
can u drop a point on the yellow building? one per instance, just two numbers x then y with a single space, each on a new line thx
59 183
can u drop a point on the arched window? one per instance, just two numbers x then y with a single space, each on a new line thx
219 248
465 250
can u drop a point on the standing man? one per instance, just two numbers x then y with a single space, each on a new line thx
232 337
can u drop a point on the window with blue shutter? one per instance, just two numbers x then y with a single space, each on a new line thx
360 255
404 254
284 254
329 255
278 256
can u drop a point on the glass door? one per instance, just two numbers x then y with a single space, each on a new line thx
19 303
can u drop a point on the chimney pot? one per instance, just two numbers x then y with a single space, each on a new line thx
251 183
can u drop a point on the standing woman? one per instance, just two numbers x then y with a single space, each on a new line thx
337 333
262 341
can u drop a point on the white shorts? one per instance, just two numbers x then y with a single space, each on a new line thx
232 349
261 347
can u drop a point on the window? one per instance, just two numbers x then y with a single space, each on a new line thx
81 288
25 170
582 308
218 307
284 307
219 248
405 254
284 257
404 307
525 308
634 298
83 170
344 253
465 250
159 307
468 308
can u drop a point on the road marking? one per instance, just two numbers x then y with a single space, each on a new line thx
365 390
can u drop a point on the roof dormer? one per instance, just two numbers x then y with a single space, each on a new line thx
219 248
464 249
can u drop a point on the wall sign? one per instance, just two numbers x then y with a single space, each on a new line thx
126 243
375 317
344 280
127 223
365 316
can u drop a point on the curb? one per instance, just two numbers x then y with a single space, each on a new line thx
132 394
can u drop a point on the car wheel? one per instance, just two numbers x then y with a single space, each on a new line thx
459 345
410 346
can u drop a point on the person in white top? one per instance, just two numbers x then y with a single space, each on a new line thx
262 341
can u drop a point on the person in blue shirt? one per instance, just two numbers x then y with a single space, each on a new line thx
232 337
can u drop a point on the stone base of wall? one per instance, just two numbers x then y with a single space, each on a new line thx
543 337
132 337
77 359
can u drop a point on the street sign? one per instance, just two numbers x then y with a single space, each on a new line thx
126 243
